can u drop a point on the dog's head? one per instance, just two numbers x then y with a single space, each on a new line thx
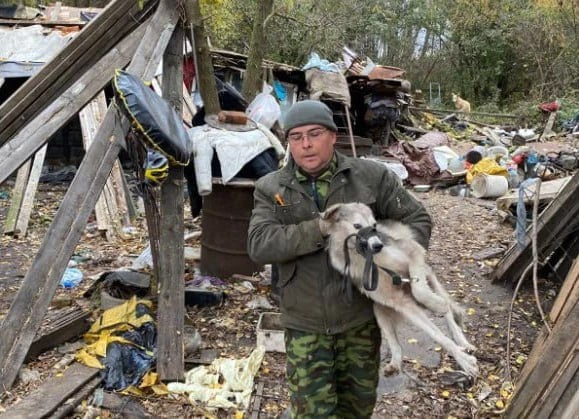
341 221
454 97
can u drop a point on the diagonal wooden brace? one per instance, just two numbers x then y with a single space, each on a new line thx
25 316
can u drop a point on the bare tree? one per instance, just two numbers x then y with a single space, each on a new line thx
254 75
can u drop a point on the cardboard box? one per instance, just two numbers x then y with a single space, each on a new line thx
270 333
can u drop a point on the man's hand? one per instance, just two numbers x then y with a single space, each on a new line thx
324 226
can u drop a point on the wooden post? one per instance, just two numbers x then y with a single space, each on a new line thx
28 201
17 195
171 302
19 327
352 143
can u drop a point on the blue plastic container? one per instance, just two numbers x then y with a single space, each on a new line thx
71 278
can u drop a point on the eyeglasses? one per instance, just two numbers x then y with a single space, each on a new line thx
312 135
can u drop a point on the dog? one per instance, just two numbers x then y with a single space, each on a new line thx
460 104
389 266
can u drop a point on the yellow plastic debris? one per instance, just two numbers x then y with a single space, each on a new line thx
486 166
115 320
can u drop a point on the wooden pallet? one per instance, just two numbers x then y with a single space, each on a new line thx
57 328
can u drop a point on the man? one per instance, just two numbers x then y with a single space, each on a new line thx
332 343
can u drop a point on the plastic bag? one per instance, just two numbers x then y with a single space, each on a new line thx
264 108
316 62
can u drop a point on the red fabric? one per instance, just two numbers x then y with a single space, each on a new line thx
420 163
188 72
550 106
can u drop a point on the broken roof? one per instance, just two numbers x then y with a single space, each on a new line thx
24 50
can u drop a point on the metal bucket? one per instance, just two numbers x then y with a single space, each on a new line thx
226 213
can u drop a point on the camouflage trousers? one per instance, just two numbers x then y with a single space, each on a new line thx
333 376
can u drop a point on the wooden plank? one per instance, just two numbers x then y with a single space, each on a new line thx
111 209
20 324
131 207
90 118
28 201
548 131
39 130
497 115
561 343
556 388
568 407
58 328
171 307
548 192
67 408
561 213
50 395
117 20
17 195
121 198
256 406
560 310
568 293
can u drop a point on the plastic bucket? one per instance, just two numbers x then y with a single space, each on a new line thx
489 186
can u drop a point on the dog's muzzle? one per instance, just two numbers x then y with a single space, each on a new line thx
368 241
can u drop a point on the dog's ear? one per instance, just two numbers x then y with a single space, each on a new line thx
331 213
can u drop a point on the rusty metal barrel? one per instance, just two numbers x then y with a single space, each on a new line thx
225 220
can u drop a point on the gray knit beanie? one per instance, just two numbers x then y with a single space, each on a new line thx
309 112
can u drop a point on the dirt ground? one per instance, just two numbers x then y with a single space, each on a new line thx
462 227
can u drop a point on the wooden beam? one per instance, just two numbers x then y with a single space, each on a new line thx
171 306
548 131
28 201
449 111
17 195
90 118
59 327
20 324
66 409
564 304
39 130
53 393
117 20
559 353
559 216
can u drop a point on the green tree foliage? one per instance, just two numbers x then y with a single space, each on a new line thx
496 51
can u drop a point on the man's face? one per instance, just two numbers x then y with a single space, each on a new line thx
312 147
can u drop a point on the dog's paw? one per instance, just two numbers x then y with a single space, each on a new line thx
391 369
468 347
468 363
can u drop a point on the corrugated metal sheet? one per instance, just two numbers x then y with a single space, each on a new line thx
24 50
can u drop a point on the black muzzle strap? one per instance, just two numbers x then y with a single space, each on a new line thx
346 280
370 275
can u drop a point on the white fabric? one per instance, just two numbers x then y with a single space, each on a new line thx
234 150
